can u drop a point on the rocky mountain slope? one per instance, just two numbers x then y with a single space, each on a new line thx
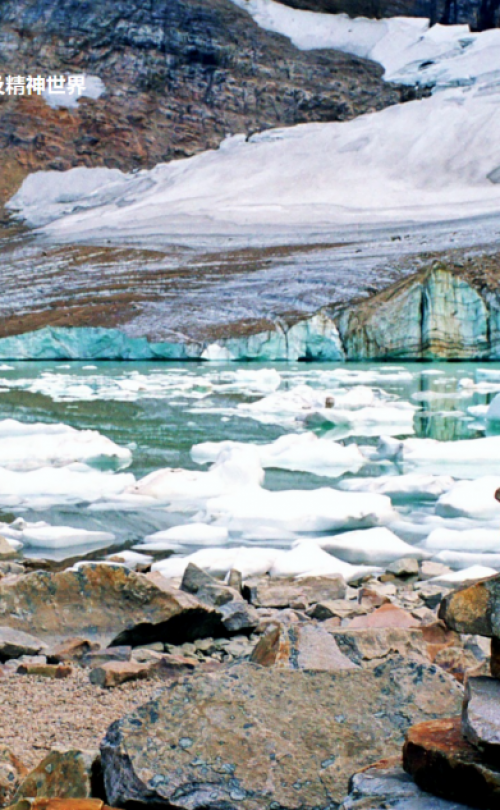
179 76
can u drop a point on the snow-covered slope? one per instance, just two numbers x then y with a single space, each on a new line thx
428 160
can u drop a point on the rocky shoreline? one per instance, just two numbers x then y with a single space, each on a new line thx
354 668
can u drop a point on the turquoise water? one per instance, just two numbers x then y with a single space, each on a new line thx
160 410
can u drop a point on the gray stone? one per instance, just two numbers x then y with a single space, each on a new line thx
386 787
300 646
238 617
481 711
15 643
238 737
340 608
367 646
206 588
405 567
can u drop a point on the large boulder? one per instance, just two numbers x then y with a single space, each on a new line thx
14 643
109 604
299 646
238 738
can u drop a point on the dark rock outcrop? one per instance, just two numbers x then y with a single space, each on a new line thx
179 75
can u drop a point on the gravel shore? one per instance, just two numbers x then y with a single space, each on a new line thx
37 714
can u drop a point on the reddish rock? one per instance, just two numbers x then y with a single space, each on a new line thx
72 649
458 662
59 804
444 763
11 772
388 615
371 597
63 774
289 592
299 646
116 672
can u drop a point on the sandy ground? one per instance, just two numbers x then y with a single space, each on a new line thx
37 714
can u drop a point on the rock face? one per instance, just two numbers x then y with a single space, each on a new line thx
106 604
444 763
239 738
179 76
476 13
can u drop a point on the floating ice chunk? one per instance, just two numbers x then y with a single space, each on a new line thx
307 558
376 546
412 486
287 405
399 413
63 537
301 510
28 446
131 559
190 533
479 540
461 458
465 559
479 411
471 499
219 561
475 572
73 484
234 469
262 380
304 452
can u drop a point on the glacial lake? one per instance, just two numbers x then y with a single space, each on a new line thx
159 411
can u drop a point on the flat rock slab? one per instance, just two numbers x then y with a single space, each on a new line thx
367 646
387 615
288 592
481 711
238 738
14 643
103 603
475 609
386 786
444 763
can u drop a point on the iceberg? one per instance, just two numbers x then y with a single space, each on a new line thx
377 546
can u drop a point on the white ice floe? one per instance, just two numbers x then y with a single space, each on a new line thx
303 452
235 469
467 559
471 499
189 534
308 559
55 537
478 540
219 561
25 446
464 458
475 572
397 413
377 546
315 510
48 485
412 486
287 406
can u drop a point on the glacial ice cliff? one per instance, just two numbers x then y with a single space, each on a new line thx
437 313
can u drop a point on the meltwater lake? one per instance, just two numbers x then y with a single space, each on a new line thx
368 462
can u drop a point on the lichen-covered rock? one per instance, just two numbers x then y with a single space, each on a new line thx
64 774
475 609
12 771
444 763
366 646
107 604
240 738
